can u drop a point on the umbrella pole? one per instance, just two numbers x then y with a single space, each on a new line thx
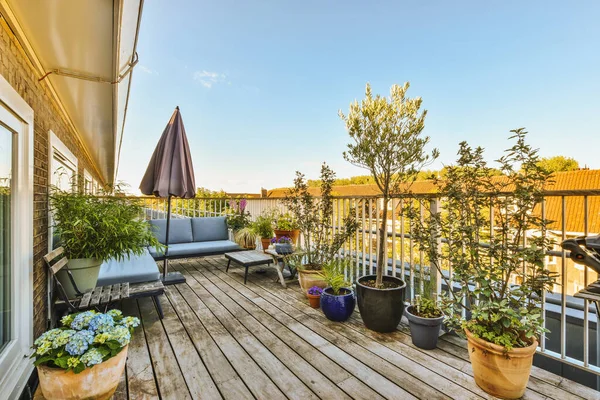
170 278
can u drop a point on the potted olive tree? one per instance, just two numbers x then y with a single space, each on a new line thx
337 299
85 357
387 140
314 218
498 267
93 229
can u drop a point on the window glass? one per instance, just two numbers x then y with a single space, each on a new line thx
6 138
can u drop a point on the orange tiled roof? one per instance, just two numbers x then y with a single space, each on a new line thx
571 180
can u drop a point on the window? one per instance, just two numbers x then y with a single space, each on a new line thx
88 183
63 175
16 240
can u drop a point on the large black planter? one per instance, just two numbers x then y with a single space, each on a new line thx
424 331
380 309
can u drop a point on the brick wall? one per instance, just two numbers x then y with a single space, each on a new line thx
16 68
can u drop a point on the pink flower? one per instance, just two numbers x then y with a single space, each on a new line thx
232 204
243 203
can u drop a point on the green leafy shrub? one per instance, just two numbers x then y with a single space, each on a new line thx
263 226
100 227
335 272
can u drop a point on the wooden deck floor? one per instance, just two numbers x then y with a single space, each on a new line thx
223 339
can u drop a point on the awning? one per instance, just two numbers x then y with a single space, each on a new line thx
86 52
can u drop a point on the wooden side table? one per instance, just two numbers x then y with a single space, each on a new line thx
251 258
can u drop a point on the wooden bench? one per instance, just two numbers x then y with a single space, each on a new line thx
100 297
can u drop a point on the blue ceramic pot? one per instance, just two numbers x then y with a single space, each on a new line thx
338 308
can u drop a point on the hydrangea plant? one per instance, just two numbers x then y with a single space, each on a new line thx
84 340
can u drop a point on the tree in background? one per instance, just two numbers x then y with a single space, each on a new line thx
558 164
387 141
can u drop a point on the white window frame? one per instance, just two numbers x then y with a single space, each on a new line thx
87 177
57 146
15 365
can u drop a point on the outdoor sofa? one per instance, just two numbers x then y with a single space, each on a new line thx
193 237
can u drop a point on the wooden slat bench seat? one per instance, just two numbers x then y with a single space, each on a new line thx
101 296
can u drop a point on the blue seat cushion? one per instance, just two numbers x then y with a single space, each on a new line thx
208 229
134 269
180 230
197 248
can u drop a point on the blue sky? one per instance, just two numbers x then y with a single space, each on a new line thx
260 83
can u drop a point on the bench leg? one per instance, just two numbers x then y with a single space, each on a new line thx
228 263
158 306
246 275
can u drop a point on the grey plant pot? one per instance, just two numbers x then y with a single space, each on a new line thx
424 331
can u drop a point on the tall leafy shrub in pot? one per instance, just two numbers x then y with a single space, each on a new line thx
387 141
93 229
505 319
314 217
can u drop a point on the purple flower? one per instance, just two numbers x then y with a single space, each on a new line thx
315 291
243 203
274 240
284 239
233 205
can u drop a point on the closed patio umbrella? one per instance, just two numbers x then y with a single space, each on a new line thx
170 173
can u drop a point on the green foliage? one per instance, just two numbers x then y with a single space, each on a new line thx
500 312
387 141
239 217
426 307
286 222
246 237
84 340
314 217
100 227
558 164
334 273
263 226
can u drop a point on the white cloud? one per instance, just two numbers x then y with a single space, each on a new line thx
147 70
208 79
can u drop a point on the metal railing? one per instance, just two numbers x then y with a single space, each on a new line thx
570 211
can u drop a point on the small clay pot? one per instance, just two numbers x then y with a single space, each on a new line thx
314 300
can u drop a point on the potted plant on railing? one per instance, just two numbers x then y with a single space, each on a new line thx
263 226
93 229
314 217
314 296
85 357
387 141
286 225
498 266
337 299
425 319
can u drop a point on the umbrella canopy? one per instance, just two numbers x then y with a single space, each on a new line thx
170 171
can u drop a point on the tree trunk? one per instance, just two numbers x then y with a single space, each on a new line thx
381 256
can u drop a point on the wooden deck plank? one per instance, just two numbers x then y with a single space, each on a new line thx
140 383
369 376
311 376
197 377
257 381
278 372
293 297
168 375
227 380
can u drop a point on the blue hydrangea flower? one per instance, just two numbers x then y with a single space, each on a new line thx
101 323
62 338
82 320
130 322
47 336
120 334
91 357
79 342
115 313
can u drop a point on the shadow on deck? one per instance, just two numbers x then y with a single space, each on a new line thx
223 339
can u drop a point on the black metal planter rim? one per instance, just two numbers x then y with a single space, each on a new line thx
383 290
426 321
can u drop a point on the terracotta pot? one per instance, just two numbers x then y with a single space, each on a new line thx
499 373
309 278
293 234
314 300
265 243
96 383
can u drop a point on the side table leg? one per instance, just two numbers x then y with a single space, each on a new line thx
246 276
228 263
280 273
